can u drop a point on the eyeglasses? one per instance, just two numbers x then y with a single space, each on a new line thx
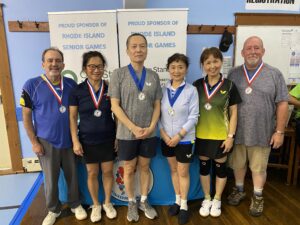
94 67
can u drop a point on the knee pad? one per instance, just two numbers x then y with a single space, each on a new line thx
220 169
205 167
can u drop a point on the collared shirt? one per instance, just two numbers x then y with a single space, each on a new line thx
140 112
212 87
214 123
186 112
93 130
49 123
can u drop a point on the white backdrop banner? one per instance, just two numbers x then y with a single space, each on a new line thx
165 30
289 5
77 32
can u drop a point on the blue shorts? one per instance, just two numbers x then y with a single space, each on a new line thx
130 149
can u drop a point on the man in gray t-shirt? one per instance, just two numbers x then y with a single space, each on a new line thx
265 98
135 94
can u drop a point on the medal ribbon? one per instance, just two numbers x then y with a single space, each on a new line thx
139 83
178 92
257 72
210 94
96 100
52 88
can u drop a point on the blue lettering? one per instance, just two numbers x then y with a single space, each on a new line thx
71 36
95 46
66 25
165 45
72 47
164 33
136 23
158 23
93 35
87 25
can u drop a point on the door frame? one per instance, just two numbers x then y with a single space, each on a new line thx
8 101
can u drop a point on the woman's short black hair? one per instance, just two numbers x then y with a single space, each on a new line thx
178 57
88 55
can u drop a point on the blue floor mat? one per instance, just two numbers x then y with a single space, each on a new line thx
16 192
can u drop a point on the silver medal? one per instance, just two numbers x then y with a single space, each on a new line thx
171 111
141 96
248 90
62 109
97 113
207 106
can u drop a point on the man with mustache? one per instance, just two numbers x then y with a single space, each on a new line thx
265 98
45 100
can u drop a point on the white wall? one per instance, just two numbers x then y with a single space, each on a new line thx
5 162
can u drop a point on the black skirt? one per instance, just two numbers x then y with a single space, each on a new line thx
99 153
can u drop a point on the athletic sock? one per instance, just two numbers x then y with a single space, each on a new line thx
184 205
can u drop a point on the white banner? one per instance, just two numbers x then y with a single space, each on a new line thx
165 30
289 5
77 32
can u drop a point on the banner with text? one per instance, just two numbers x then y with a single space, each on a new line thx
165 30
77 32
289 5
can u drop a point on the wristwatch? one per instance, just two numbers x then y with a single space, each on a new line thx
180 135
231 136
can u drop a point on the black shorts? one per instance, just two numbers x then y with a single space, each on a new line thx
130 149
183 152
209 148
99 153
298 130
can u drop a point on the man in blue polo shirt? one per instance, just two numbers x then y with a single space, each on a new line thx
45 105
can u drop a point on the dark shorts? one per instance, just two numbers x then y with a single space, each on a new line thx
183 152
298 130
130 149
99 153
209 148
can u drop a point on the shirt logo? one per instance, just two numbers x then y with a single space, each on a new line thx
189 155
222 92
22 101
